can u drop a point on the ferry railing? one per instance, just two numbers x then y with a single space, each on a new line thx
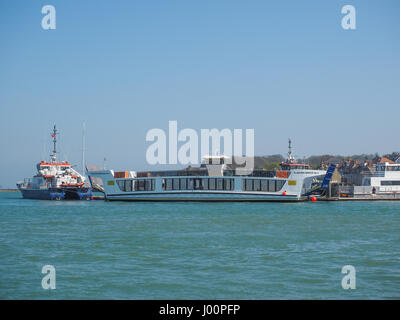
254 173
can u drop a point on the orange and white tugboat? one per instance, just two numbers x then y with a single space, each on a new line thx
55 180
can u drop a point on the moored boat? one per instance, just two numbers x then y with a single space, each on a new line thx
385 179
55 180
212 181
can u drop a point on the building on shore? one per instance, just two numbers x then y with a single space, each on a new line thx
353 172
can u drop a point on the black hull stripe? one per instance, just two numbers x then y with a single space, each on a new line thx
207 200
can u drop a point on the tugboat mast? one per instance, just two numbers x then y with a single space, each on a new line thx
83 148
54 135
290 156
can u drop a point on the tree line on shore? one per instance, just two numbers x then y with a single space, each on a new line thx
272 162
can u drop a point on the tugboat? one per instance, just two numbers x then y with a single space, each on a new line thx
55 180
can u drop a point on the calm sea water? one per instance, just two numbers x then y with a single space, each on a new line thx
111 250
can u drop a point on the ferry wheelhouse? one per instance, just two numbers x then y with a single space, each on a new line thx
212 181
55 180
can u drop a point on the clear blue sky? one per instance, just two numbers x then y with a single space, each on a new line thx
284 68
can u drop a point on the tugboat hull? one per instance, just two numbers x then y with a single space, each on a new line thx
36 194
57 194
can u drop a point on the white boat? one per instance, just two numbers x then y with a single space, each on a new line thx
385 179
212 181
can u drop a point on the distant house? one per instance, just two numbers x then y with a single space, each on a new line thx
336 177
352 172
383 160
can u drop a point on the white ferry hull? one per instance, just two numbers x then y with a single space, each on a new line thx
202 196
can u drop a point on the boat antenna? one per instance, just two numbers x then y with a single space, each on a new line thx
290 155
54 136
83 147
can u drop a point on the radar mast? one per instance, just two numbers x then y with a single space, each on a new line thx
54 154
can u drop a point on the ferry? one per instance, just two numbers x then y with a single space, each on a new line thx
385 179
55 180
214 180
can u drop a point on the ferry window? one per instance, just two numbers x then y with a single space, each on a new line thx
121 184
272 186
390 183
227 183
211 184
168 184
205 184
128 185
257 185
264 185
248 184
220 185
197 184
175 184
280 184
183 184
230 184
190 184
140 185
147 185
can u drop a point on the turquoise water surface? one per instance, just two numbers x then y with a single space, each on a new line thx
118 250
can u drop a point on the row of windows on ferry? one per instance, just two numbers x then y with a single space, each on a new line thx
262 185
198 184
387 168
266 185
129 185
390 183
